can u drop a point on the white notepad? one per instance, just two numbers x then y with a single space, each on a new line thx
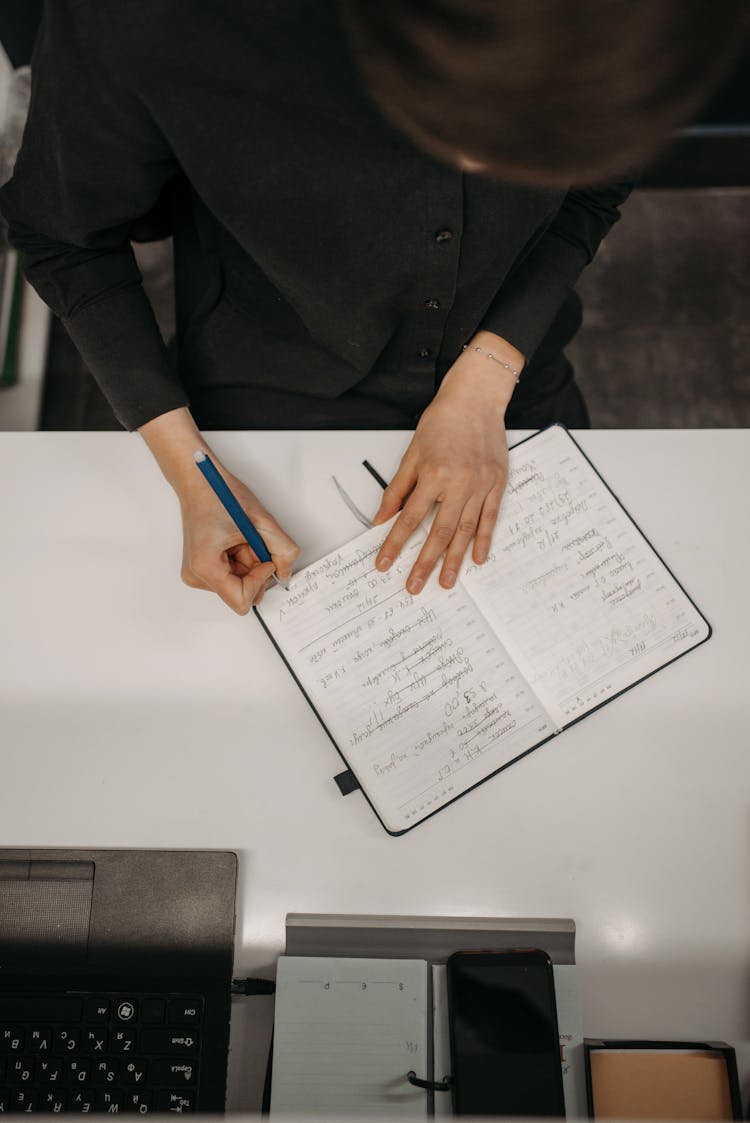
346 1032
427 696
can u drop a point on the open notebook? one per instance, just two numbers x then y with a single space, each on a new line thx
425 697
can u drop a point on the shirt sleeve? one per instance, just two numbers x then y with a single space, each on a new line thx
535 290
92 163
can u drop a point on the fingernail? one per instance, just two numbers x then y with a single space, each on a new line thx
449 578
481 555
384 563
414 584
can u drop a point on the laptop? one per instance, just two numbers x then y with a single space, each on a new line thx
115 979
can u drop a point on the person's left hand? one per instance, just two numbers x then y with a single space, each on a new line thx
458 458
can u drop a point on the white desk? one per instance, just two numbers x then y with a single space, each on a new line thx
137 712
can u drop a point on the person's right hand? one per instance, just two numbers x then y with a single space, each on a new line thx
216 557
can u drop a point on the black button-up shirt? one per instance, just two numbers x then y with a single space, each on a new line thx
322 260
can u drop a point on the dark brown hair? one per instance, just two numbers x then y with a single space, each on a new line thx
544 91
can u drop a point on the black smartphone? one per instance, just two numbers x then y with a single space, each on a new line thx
505 1045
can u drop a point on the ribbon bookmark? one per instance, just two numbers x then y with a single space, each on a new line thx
352 505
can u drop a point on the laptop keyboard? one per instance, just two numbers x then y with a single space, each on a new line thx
100 1052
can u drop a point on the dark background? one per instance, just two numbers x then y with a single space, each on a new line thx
666 334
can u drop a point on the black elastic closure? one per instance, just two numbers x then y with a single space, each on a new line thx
444 1085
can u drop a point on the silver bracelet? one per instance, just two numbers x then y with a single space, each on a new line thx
494 358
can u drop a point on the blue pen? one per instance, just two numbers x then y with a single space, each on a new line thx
233 509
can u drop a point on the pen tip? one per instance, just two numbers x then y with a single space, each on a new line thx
199 455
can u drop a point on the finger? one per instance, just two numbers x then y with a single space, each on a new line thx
283 555
284 550
487 522
398 490
417 506
450 516
261 580
239 593
242 560
284 561
465 531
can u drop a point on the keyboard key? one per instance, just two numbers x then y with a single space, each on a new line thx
140 1102
53 1101
174 1073
49 1070
38 1010
185 1011
21 1071
23 1100
98 1009
175 1101
105 1072
135 1072
125 1010
39 1040
11 1039
123 1041
67 1040
95 1041
82 1101
78 1072
152 1011
108 1101
175 1041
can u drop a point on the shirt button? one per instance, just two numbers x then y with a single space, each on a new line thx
424 353
444 236
435 304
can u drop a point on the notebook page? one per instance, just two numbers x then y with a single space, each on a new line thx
583 603
421 698
346 1033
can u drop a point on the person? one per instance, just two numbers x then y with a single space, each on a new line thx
379 212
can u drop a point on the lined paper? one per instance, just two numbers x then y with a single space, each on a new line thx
418 693
346 1032
581 599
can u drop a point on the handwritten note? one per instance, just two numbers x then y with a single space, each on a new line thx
426 696
346 1033
419 694
584 604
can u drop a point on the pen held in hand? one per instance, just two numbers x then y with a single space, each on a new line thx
234 510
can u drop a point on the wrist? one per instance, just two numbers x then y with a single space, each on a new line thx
494 349
487 366
173 437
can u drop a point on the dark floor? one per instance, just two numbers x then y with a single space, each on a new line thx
666 333
665 341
